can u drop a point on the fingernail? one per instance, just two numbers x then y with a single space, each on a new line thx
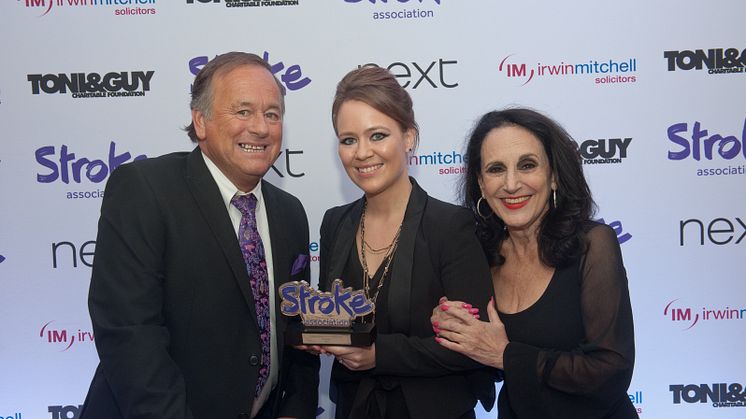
467 305
435 324
436 330
437 339
444 307
473 310
476 316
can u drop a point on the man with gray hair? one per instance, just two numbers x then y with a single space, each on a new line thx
191 249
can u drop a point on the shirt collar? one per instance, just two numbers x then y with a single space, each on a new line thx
227 189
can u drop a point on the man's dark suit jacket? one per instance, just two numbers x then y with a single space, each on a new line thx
438 254
171 304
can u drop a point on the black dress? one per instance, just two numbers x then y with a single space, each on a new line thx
571 353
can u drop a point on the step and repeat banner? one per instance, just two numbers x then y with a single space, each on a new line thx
653 92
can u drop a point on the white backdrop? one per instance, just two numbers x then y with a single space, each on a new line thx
654 92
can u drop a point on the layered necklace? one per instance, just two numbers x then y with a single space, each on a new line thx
388 252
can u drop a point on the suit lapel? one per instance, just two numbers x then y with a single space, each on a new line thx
280 240
210 202
400 286
345 242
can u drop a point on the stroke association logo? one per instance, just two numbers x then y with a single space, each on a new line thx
715 60
119 7
600 71
406 13
66 167
687 317
92 85
717 394
248 3
64 338
604 150
290 76
701 143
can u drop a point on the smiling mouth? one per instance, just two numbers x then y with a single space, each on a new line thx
249 148
515 203
369 169
516 200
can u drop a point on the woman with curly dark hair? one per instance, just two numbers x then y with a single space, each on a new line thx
561 324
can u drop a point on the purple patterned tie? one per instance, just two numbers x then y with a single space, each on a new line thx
253 254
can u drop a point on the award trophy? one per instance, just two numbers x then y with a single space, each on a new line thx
327 318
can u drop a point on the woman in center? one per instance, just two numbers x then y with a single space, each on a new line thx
405 249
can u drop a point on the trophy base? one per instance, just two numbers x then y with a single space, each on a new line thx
359 335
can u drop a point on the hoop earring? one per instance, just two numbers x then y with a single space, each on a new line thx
554 198
479 202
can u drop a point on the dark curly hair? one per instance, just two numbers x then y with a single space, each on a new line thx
561 232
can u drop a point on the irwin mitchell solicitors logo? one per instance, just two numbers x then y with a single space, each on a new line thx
600 71
63 338
118 7
686 316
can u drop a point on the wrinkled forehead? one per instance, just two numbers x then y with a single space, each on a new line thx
230 80
511 142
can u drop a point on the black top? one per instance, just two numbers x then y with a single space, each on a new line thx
420 378
384 398
571 353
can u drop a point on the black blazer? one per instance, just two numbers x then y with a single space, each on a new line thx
170 300
438 254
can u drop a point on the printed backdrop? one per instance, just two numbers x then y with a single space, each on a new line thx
653 92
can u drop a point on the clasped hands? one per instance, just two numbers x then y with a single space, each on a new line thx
458 327
352 357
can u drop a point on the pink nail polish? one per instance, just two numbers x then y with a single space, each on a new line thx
435 324
476 316
467 305
473 310
437 339
436 330
444 307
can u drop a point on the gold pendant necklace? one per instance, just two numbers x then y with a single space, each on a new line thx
388 258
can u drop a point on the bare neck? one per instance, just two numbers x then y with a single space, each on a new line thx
390 203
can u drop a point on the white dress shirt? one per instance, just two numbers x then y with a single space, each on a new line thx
228 190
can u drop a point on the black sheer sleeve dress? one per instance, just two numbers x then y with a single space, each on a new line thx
571 353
